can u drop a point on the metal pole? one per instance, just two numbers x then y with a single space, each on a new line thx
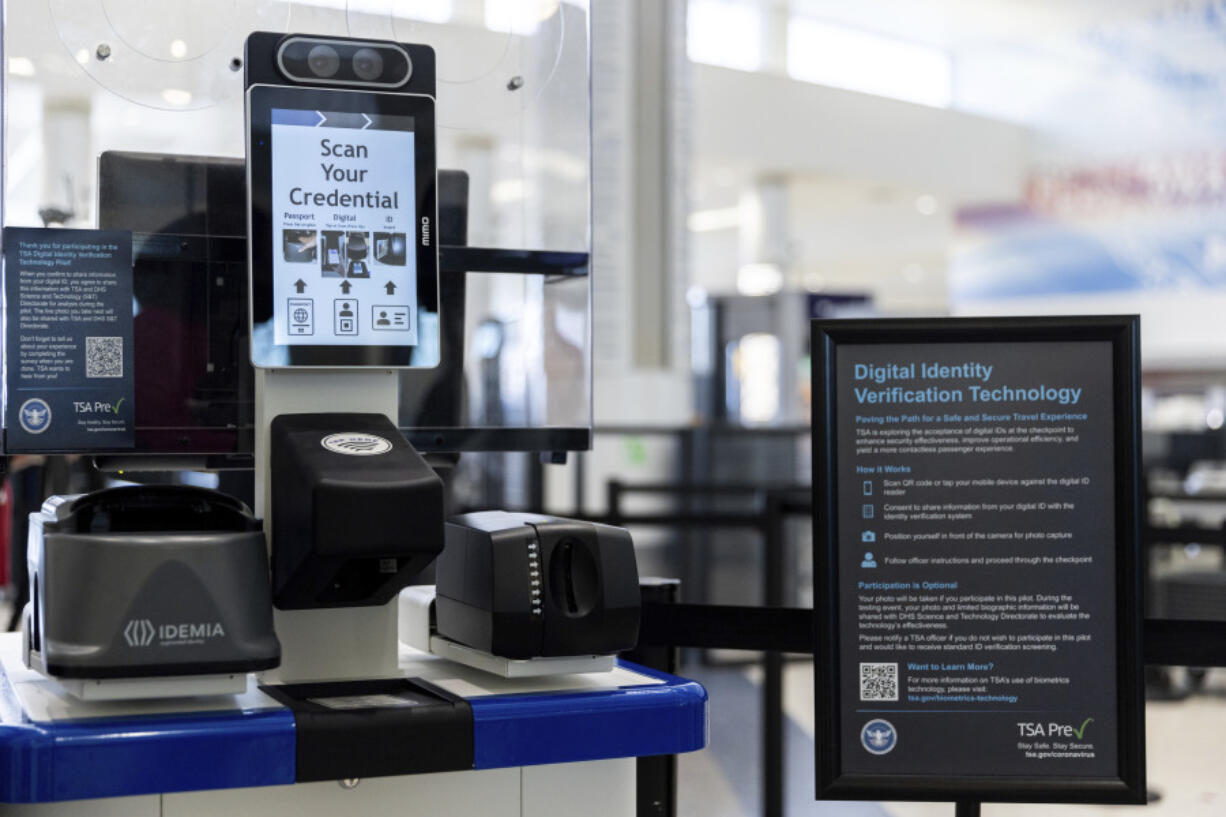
613 501
656 777
966 808
580 484
773 736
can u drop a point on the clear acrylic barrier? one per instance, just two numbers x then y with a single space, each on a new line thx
518 320
88 78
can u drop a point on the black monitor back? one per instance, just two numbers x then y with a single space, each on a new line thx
194 382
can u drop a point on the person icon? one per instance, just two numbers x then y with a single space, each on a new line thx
869 561
383 321
345 311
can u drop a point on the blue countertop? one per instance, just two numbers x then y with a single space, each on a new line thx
56 749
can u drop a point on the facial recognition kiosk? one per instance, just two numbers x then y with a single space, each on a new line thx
185 653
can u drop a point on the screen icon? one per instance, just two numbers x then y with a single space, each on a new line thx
301 313
867 512
390 318
345 315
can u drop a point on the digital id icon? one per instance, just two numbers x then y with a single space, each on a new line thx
301 313
387 318
345 314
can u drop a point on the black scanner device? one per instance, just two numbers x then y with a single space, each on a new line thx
356 512
523 586
148 581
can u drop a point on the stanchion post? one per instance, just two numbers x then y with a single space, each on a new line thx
656 777
773 735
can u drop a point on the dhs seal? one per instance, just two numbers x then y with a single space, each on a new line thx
356 444
879 737
34 415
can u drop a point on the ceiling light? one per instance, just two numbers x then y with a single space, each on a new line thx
177 97
21 66
508 191
706 221
759 279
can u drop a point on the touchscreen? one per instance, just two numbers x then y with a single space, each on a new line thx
343 212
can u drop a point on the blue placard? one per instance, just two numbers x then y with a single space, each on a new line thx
68 340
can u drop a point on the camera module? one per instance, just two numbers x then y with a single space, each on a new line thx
367 64
334 61
323 61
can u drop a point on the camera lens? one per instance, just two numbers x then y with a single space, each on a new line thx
367 64
323 61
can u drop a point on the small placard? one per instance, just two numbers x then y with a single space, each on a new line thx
977 554
68 344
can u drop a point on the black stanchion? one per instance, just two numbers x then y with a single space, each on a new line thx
656 777
773 735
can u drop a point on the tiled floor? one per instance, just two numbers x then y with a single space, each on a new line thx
1186 764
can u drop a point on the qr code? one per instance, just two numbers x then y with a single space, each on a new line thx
879 682
104 357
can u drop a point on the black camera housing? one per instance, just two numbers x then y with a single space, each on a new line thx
274 58
350 528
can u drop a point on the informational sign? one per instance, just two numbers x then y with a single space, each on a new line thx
344 209
976 544
68 340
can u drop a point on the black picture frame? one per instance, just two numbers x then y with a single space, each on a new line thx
263 244
1129 787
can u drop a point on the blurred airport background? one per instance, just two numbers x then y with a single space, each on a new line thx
756 164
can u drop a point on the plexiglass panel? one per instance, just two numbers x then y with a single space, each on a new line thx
128 114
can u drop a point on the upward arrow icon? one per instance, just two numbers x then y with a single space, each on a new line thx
390 287
345 287
300 285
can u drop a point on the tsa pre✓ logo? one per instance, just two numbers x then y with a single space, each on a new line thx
878 736
34 415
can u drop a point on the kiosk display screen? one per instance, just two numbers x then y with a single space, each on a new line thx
343 182
979 557
343 189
